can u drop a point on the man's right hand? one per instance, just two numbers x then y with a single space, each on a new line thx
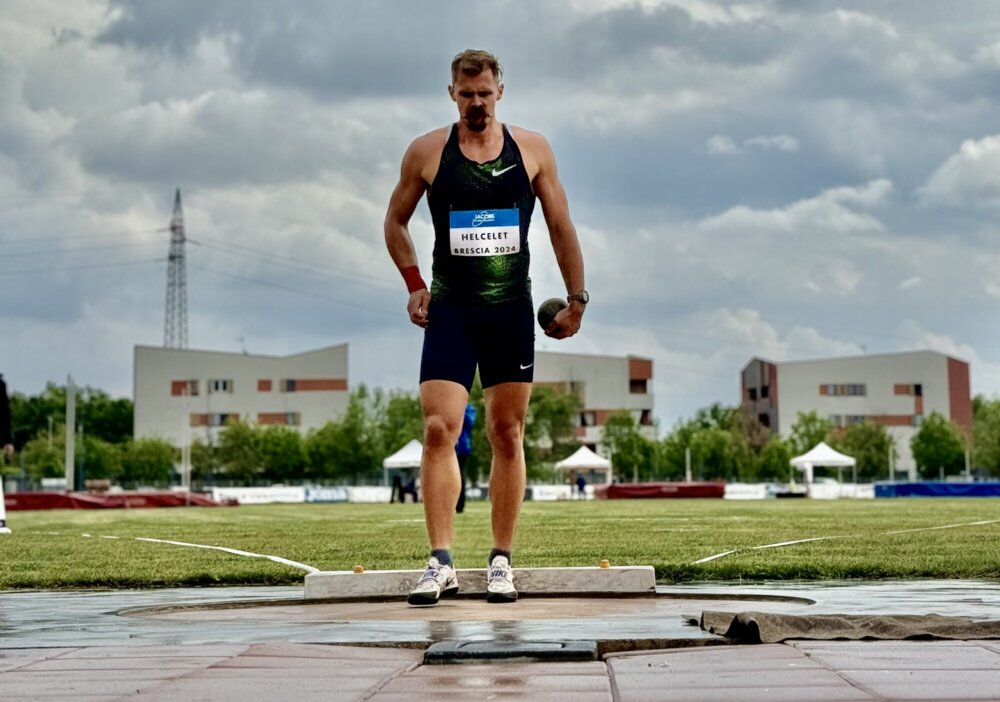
417 307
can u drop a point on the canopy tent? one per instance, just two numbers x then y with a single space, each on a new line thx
586 460
822 455
407 457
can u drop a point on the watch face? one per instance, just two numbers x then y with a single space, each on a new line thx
583 296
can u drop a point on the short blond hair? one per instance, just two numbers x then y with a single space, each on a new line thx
472 62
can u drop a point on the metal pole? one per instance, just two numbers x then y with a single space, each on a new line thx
687 464
968 466
70 432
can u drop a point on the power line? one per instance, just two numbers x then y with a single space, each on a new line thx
267 257
86 249
22 271
63 237
297 291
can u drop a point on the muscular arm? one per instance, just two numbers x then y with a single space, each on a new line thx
403 202
562 234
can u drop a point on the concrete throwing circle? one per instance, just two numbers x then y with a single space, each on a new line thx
470 609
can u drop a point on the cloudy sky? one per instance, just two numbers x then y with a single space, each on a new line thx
784 179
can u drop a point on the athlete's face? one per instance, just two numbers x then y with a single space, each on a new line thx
476 97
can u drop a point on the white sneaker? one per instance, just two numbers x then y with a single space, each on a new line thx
500 581
437 581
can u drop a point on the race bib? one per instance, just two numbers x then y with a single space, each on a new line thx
485 232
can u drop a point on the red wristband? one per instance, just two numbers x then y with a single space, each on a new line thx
413 280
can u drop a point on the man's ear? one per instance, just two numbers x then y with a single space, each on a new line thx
451 92
500 92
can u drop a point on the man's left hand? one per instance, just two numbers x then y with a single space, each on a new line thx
567 322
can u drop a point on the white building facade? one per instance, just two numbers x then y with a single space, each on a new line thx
605 385
895 390
182 395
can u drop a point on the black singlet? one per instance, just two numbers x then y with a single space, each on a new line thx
481 214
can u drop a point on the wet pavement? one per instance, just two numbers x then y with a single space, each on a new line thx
268 643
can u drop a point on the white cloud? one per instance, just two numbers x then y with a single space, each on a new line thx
780 142
914 282
720 145
969 178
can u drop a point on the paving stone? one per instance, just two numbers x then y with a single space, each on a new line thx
927 658
494 696
818 677
398 583
585 668
469 678
749 694
353 653
155 651
13 658
929 685
721 658
189 663
474 651
257 690
29 687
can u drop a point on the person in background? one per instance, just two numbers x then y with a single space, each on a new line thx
6 425
463 449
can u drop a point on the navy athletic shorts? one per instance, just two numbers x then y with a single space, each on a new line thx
499 338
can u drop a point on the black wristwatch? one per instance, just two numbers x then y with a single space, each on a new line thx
583 297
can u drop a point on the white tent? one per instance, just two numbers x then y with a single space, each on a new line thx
585 459
407 457
822 455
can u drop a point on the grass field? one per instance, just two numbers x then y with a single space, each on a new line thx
49 549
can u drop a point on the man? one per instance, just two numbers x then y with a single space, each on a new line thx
463 449
6 426
481 180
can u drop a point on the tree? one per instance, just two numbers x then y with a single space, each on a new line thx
284 454
632 454
239 453
986 434
773 462
939 445
400 422
551 423
97 459
148 461
97 412
45 459
204 461
868 444
809 429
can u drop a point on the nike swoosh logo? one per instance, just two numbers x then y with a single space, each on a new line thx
496 172
527 366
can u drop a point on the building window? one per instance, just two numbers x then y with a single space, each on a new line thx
637 387
765 419
293 419
288 385
646 418
263 386
765 392
836 420
588 419
854 419
180 388
843 389
918 419
752 392
918 390
222 419
219 386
